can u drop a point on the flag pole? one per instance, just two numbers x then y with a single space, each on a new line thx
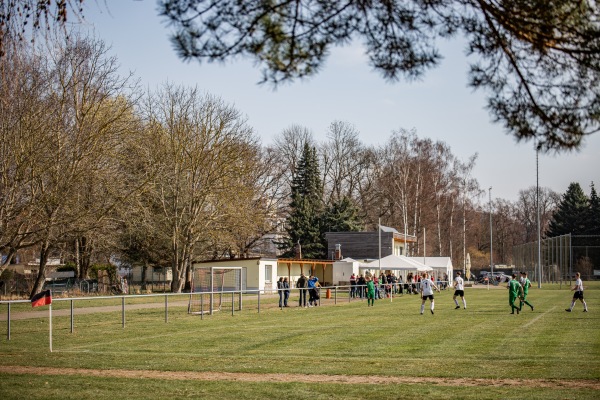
50 319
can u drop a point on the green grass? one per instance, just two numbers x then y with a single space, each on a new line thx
390 339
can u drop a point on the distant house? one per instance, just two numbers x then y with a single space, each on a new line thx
154 275
361 252
262 273
365 245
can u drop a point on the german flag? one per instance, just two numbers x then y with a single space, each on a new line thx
42 298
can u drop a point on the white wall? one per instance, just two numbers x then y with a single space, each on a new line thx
255 278
342 271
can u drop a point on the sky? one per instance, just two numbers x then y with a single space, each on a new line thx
440 106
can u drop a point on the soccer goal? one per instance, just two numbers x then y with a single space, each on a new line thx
216 289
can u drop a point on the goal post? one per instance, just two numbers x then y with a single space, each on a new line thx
215 288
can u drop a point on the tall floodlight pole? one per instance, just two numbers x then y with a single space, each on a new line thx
491 237
537 206
464 229
379 233
424 245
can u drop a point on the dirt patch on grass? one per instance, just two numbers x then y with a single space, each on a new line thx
301 378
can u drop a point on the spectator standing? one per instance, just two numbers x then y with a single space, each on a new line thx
353 285
313 281
578 288
280 291
360 286
302 285
376 283
286 291
383 282
400 285
394 283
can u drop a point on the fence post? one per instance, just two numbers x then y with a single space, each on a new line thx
123 312
335 295
232 302
201 306
259 301
8 323
166 309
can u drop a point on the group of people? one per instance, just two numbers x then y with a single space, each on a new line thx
308 286
517 290
427 286
283 289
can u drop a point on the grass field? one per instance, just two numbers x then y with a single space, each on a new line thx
343 351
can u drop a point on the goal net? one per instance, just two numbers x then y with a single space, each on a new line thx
216 289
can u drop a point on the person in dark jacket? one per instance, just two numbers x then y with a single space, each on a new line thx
286 292
360 283
302 285
280 291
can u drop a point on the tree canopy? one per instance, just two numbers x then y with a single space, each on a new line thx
571 214
537 60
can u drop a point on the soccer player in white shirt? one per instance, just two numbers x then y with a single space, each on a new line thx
459 290
578 288
427 287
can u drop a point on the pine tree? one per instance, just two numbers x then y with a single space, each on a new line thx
342 216
572 212
593 219
306 207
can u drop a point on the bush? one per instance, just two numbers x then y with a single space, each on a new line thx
109 268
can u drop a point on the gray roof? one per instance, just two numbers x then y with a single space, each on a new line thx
387 229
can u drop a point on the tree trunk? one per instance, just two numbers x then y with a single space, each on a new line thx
77 260
6 263
144 273
41 276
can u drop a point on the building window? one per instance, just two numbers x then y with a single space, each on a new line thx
268 273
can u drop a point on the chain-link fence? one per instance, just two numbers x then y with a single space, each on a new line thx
561 257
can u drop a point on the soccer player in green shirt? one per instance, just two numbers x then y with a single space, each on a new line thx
526 283
515 290
370 292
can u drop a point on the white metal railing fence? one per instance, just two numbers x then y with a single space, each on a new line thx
332 293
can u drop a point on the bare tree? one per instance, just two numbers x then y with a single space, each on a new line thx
201 147
526 211
22 115
288 145
469 191
23 20
341 161
63 145
76 182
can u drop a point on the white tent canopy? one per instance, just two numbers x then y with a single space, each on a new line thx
360 264
440 265
398 263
